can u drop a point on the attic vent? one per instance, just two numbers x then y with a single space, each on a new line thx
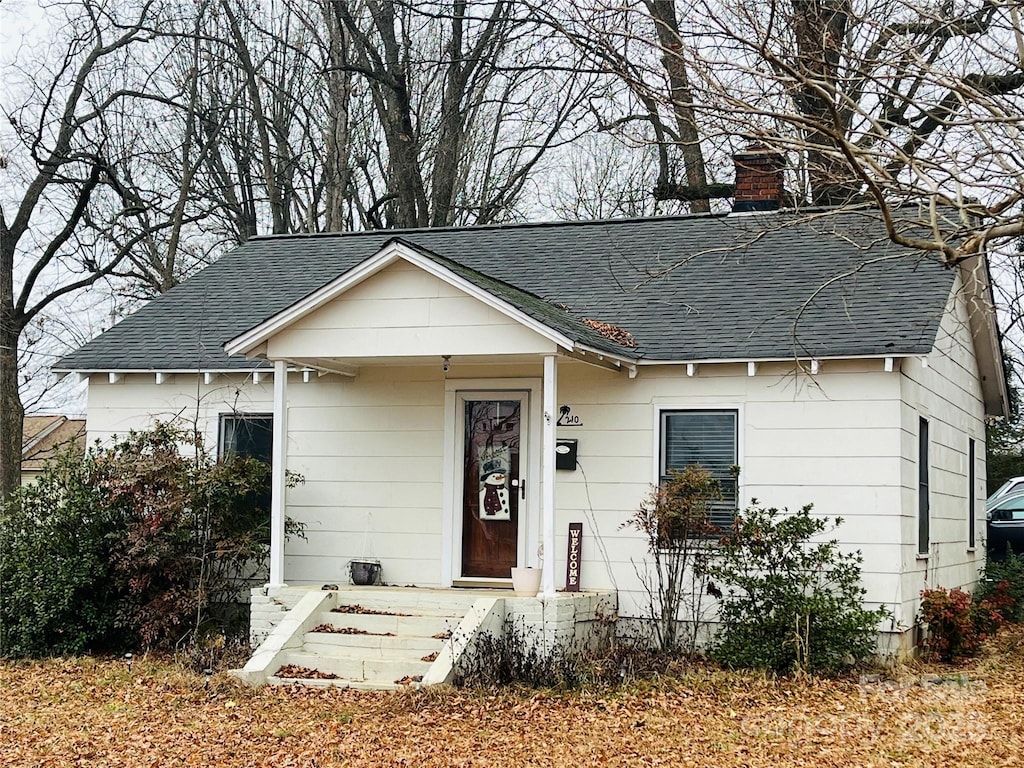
611 332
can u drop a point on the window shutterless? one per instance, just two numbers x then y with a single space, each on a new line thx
709 438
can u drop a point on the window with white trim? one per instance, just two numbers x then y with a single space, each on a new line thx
247 434
709 438
250 435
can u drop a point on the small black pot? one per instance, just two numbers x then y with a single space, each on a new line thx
364 573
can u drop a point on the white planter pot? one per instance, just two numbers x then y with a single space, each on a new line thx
526 581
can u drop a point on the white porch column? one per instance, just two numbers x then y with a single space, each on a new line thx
280 457
548 473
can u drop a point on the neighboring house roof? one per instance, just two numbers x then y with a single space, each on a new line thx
43 437
688 288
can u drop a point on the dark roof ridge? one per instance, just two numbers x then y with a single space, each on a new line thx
496 226
809 209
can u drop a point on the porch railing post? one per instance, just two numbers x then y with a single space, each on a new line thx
548 473
280 458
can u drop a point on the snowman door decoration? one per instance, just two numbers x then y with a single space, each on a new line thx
494 501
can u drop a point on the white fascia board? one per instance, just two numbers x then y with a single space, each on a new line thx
260 333
386 256
485 297
759 360
87 372
620 360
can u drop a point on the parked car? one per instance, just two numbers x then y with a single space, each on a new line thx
1011 486
1005 526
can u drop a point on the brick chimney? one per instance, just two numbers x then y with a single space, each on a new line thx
759 179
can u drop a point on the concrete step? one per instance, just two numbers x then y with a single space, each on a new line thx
339 683
398 630
370 646
409 601
309 683
400 626
386 671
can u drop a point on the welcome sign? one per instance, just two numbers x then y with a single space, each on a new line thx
573 557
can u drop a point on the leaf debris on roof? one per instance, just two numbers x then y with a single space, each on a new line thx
613 332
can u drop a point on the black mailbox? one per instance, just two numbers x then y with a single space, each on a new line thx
565 454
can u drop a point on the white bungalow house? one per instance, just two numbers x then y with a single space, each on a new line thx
422 381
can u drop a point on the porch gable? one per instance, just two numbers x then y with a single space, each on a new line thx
404 311
399 303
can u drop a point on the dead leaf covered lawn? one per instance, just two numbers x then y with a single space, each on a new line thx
87 712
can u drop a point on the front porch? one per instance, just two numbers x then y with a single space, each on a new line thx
426 418
385 638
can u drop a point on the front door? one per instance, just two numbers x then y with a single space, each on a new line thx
493 482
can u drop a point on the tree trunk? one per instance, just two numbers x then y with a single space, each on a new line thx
11 410
275 195
337 141
450 133
663 12
405 182
385 62
819 27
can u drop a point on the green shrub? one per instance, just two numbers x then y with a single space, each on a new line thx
191 529
790 603
132 546
58 594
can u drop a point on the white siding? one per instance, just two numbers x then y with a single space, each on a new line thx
831 440
947 392
137 400
371 452
371 448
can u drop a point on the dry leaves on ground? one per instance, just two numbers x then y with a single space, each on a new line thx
85 712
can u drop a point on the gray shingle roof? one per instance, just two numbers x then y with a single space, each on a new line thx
687 288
